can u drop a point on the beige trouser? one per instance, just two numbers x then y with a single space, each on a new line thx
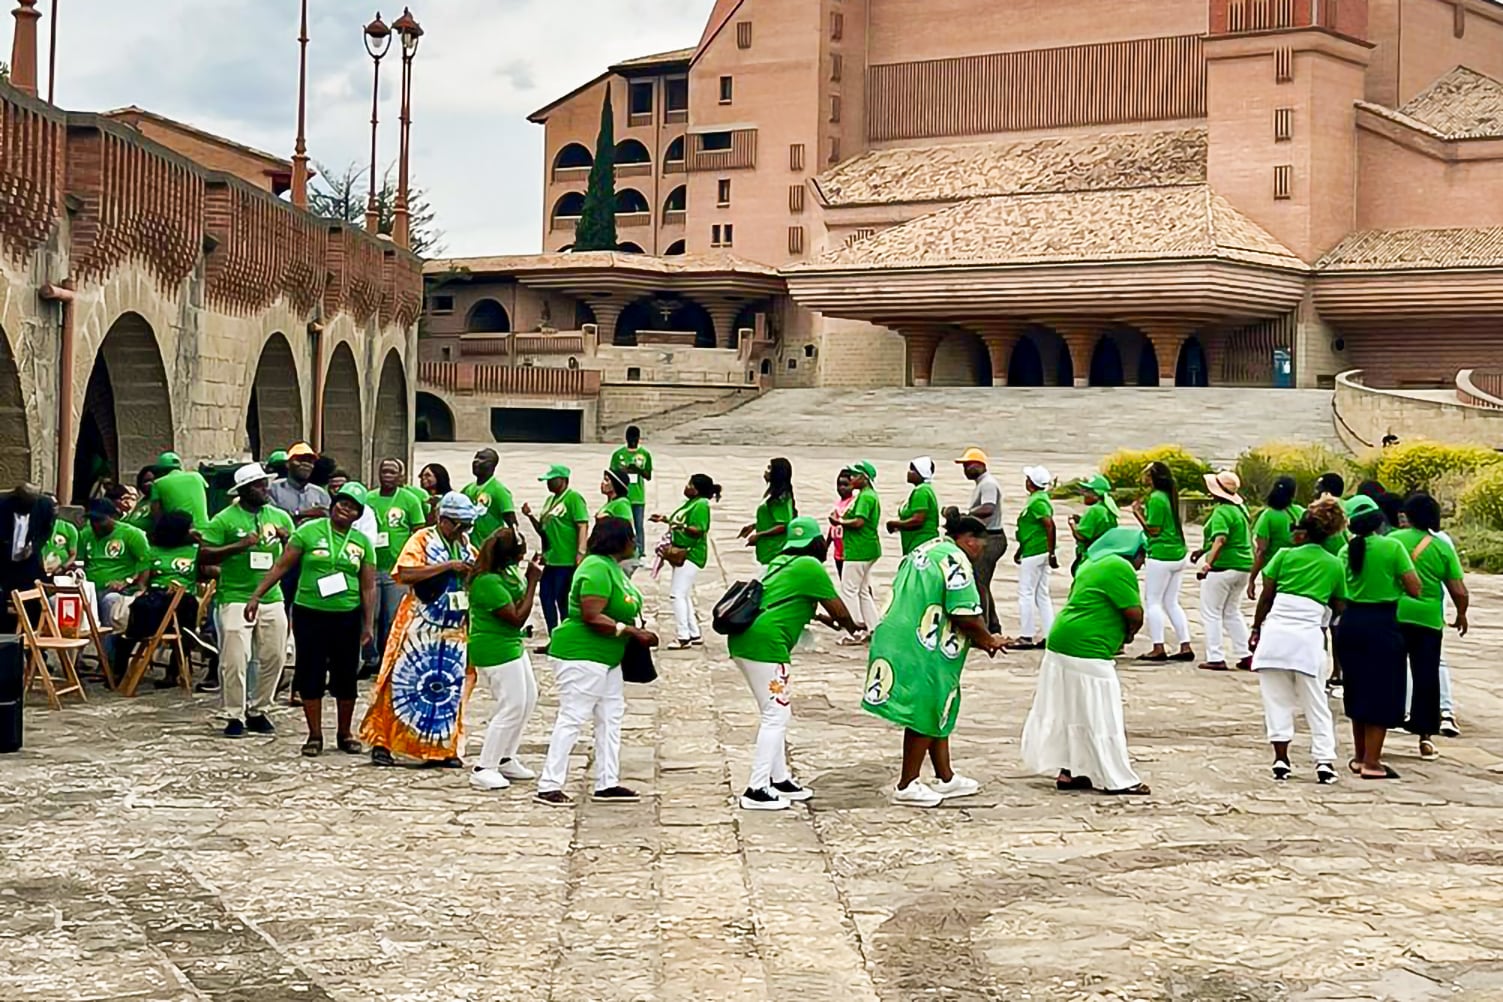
269 636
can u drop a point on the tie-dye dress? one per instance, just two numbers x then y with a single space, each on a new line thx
417 707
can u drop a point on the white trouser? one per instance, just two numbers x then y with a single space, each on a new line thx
586 689
1161 580
515 689
769 687
856 592
265 642
1035 607
1221 595
681 590
1447 706
1284 692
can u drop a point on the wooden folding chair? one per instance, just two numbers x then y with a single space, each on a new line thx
96 634
167 633
41 637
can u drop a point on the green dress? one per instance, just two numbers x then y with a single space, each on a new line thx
917 655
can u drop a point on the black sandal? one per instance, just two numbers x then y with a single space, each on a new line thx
1153 659
350 746
1183 656
382 756
1141 790
1073 783
313 747
1389 772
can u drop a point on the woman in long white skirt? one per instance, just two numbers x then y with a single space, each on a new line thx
1075 729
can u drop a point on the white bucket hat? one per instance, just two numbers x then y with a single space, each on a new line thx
248 474
1225 485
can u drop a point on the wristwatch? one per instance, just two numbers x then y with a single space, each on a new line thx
620 628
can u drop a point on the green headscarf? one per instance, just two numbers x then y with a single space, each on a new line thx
1119 542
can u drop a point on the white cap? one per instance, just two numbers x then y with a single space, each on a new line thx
1038 476
249 474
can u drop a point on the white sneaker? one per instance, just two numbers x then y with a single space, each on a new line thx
790 790
916 794
958 786
762 800
514 770
488 779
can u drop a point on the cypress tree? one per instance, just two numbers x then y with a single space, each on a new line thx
597 222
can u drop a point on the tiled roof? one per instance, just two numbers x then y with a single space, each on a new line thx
1131 224
722 12
974 170
1416 250
675 56
1463 104
677 265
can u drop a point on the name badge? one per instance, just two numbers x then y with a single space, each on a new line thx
459 601
332 584
260 560
383 540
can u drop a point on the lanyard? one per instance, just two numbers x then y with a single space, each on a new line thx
333 553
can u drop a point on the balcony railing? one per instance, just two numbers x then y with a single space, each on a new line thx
630 220
675 116
675 167
1347 17
469 378
741 154
673 217
566 175
634 170
563 223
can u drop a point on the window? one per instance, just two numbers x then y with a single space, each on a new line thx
730 236
1283 124
1283 181
722 235
441 306
448 353
793 363
676 96
796 156
640 97
727 90
808 351
795 198
633 374
837 26
837 66
1283 64
834 149
835 107
743 34
723 192
795 239
715 142
675 152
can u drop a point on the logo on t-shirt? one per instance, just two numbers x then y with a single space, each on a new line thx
114 548
394 518
878 682
59 540
353 552
182 565
268 533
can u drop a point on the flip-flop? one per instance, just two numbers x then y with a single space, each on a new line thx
1141 790
1354 767
1389 772
1156 659
1073 783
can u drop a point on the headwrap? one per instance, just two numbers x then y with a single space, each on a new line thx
1102 487
1119 542
457 508
924 467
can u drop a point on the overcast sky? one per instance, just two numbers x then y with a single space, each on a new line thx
230 66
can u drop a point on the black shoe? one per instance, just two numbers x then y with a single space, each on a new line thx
234 729
789 790
367 670
762 800
210 684
381 756
259 724
1281 770
616 795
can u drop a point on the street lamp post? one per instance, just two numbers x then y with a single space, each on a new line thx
300 147
377 43
411 33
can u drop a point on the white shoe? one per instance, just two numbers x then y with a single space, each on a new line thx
790 790
488 779
514 770
916 794
762 800
958 786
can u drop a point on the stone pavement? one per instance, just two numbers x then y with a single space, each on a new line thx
143 857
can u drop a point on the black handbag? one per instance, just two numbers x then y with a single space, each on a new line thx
737 609
636 663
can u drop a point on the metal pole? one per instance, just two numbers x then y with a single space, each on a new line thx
300 148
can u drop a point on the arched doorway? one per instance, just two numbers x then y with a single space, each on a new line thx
665 313
487 317
629 248
127 412
344 429
1106 363
274 417
572 157
390 432
961 359
674 249
1040 358
1192 369
15 442
630 152
1025 368
1148 364
434 422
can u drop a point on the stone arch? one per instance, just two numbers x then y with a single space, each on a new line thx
1040 358
15 440
677 200
1193 368
652 313
127 412
629 248
674 154
389 434
487 317
573 155
674 249
1106 363
435 421
344 426
632 151
570 205
630 200
961 359
274 415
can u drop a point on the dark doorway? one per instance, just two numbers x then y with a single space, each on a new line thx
1192 369
1148 365
434 422
1064 368
536 424
1025 368
1106 364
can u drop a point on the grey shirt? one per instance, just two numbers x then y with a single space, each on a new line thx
294 501
988 491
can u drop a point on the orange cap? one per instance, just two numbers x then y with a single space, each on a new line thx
973 455
301 449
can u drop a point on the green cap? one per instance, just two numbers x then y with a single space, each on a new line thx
801 532
356 492
169 461
865 468
280 456
1360 504
1119 542
1097 485
555 472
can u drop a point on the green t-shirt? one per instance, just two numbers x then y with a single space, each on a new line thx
1230 521
562 516
1276 529
185 491
1097 520
140 515
597 577
240 574
921 499
494 502
1158 513
397 518
616 508
694 513
637 462
791 592
779 511
175 566
1033 536
327 554
1383 567
119 556
1437 565
493 642
1309 570
864 544
1091 625
61 547
1335 544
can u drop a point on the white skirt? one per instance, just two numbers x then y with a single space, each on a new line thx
1291 637
1076 723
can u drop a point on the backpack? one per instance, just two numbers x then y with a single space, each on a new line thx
739 607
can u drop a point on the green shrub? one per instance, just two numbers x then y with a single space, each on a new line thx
1480 548
1261 465
1420 466
1481 503
1124 468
